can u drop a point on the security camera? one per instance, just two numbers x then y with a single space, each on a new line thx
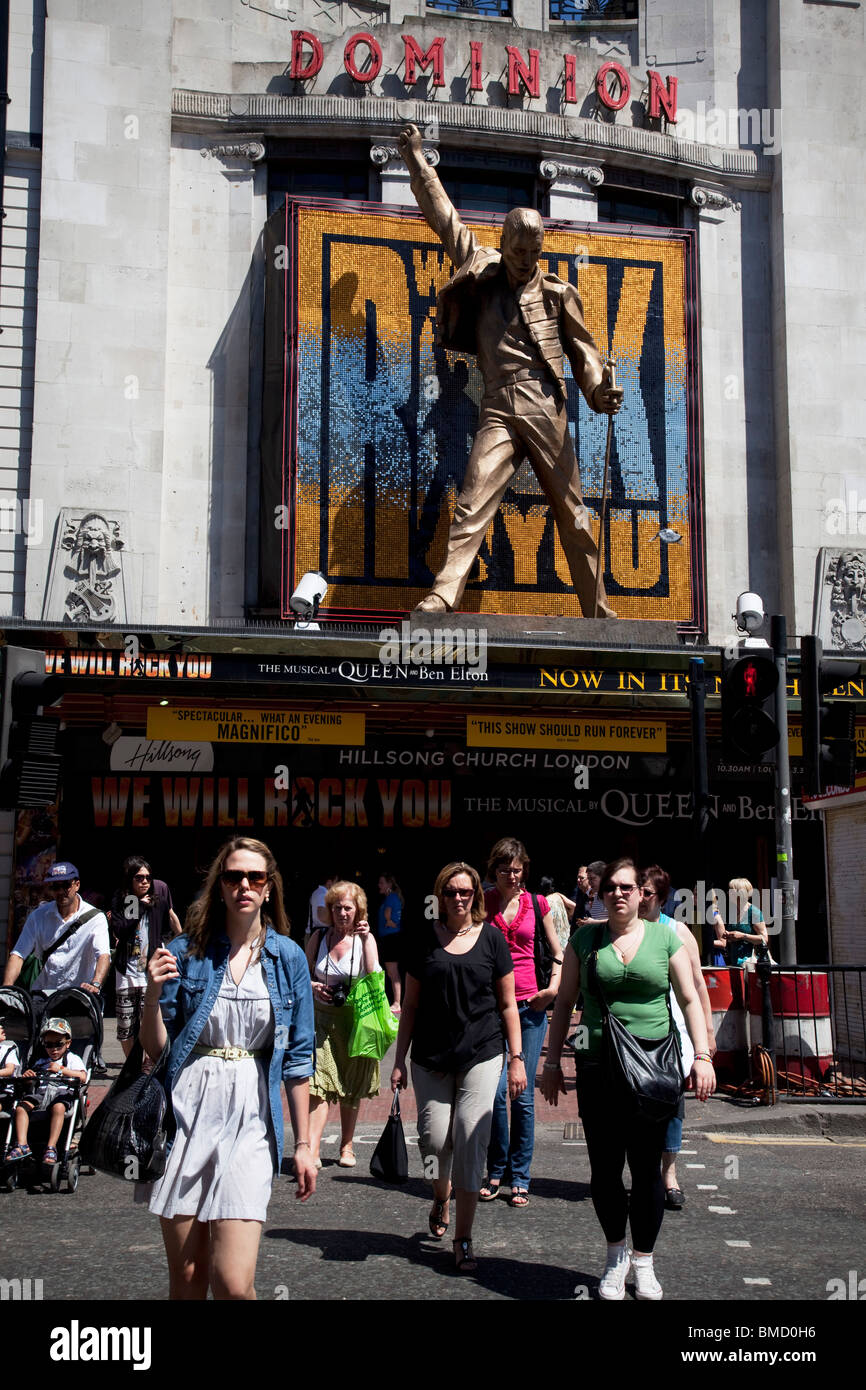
750 612
308 595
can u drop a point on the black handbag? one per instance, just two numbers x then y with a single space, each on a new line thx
544 957
650 1070
390 1161
127 1135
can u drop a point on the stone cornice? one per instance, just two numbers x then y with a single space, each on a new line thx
480 125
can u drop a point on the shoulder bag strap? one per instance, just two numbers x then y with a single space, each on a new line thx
592 971
93 912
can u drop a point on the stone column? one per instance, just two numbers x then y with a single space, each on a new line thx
573 190
727 502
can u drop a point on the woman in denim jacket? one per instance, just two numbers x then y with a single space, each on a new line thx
233 997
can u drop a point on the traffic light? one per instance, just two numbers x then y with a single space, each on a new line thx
29 761
749 705
828 730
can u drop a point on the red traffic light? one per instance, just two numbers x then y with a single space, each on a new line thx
753 678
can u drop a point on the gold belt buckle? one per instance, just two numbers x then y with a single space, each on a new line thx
234 1054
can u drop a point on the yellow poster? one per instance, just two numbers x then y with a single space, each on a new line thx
263 726
561 731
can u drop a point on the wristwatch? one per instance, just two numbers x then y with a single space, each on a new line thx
517 1057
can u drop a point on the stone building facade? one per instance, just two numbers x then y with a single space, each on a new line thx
144 142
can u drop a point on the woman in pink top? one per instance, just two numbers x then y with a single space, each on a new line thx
510 908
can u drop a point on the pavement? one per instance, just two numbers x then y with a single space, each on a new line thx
774 1210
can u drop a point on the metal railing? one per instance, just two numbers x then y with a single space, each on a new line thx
814 1027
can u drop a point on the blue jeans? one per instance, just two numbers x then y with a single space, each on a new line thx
509 1161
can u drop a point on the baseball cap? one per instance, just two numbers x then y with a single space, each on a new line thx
56 1025
61 872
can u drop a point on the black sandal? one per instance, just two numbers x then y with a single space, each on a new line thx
489 1191
437 1225
464 1258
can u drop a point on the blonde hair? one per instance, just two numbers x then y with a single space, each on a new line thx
344 888
741 885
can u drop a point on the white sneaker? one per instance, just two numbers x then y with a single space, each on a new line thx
646 1284
612 1284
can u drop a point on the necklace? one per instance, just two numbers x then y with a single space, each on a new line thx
461 931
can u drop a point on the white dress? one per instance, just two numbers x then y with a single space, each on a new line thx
222 1159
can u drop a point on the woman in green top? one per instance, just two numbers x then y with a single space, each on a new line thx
637 962
751 930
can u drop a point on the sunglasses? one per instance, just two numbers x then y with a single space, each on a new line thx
233 878
56 886
458 892
144 878
626 888
53 1042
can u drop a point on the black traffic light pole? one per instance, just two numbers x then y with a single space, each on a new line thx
784 847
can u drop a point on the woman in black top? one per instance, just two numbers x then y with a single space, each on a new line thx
458 1009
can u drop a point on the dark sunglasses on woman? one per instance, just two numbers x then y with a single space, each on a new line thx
233 878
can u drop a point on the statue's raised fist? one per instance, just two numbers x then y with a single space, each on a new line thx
410 141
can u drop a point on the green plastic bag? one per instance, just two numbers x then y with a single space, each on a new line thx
374 1027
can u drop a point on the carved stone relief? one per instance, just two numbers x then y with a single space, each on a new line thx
86 574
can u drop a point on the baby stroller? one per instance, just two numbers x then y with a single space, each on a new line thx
81 1012
19 1023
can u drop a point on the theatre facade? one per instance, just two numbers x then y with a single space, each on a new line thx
222 374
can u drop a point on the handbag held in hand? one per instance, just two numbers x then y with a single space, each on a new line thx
649 1069
127 1135
390 1161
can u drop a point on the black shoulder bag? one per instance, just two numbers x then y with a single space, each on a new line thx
649 1069
127 1135
544 957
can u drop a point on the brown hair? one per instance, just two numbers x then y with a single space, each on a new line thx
207 914
503 852
343 888
614 867
443 878
660 880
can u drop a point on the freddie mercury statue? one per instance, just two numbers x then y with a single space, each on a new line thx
519 322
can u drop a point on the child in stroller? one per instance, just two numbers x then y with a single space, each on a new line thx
53 1092
10 1061
73 1021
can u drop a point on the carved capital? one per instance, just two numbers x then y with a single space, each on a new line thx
253 150
551 170
388 154
712 199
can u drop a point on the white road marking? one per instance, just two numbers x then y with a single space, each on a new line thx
696 1165
740 1244
757 1281
708 1187
724 1211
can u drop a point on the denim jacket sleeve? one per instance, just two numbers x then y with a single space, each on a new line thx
172 1014
298 1056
